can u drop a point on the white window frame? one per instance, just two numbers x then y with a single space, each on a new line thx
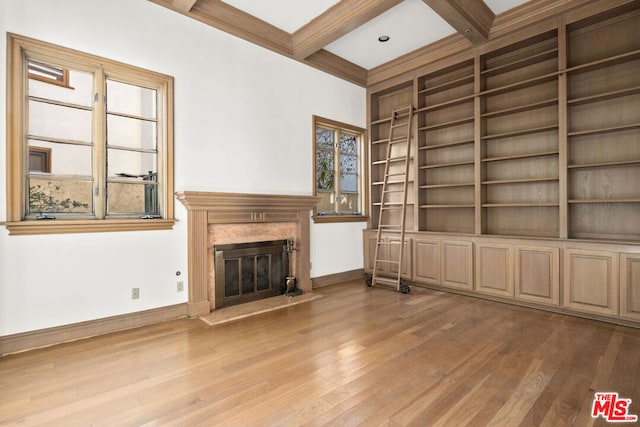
19 48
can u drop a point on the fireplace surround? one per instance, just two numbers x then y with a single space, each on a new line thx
232 218
249 271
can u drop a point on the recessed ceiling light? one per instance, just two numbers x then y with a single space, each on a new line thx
383 39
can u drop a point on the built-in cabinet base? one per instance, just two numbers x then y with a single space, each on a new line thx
591 279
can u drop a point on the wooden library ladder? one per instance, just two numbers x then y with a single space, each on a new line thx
392 216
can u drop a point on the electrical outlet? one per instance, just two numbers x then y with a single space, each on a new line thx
180 286
135 293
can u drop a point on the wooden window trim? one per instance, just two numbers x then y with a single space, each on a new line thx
17 49
362 160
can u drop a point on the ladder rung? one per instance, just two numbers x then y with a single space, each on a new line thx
391 208
389 226
393 191
399 140
388 243
397 159
388 261
385 281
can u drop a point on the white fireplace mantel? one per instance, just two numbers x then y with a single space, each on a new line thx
207 208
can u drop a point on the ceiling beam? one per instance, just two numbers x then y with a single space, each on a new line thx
184 5
471 18
335 65
337 21
236 22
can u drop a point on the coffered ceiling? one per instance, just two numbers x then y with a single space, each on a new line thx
342 36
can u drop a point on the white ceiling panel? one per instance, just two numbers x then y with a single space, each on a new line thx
410 25
499 6
288 15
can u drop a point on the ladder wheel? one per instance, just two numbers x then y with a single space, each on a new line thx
404 288
369 280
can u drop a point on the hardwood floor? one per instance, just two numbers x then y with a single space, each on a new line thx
358 356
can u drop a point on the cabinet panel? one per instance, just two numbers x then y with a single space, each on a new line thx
406 257
457 264
273 216
630 286
494 269
537 275
370 252
384 269
426 263
591 281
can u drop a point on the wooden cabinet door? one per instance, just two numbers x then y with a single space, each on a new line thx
426 261
591 281
456 264
537 275
630 286
387 252
494 269
394 255
370 252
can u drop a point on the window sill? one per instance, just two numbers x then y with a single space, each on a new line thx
324 219
22 228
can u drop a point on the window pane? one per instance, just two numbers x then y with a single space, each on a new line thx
130 99
348 183
79 92
325 179
133 133
55 121
348 163
130 164
348 204
325 170
65 159
326 206
348 144
135 198
50 195
324 139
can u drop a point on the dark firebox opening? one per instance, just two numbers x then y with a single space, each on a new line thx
249 271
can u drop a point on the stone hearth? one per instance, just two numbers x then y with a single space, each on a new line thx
221 218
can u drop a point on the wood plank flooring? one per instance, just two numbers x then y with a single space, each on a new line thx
358 356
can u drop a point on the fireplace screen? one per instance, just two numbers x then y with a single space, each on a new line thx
249 271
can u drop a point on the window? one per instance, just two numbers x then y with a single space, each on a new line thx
90 144
40 159
48 73
339 171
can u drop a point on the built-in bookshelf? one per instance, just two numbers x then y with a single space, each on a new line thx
446 149
603 110
519 138
539 137
382 105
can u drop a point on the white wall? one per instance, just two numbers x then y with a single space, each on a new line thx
242 124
